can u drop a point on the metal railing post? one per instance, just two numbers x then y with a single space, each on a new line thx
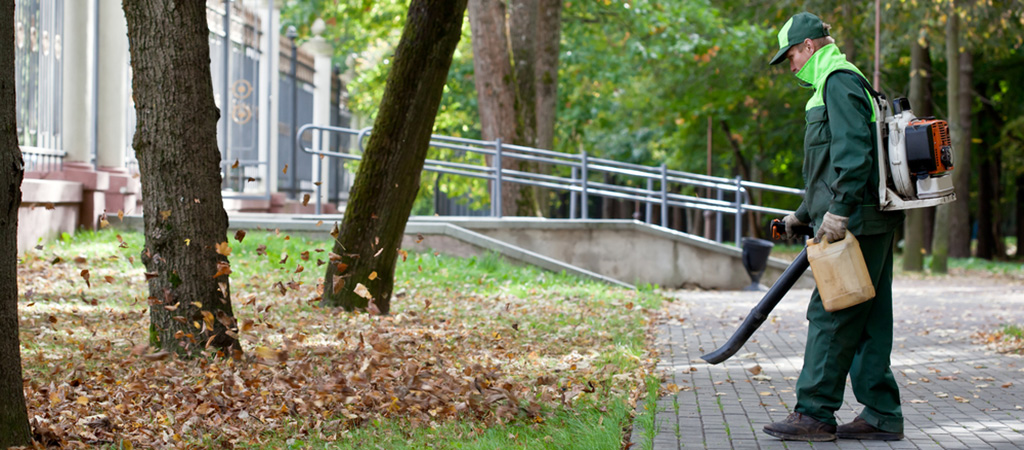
718 217
664 195
573 196
648 206
225 95
291 34
496 201
317 181
739 210
583 185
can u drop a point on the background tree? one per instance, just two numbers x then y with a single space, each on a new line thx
549 32
176 144
14 429
921 102
385 186
944 213
496 89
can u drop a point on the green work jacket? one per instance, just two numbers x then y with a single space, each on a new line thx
840 166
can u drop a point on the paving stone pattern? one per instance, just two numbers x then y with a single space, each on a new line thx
957 393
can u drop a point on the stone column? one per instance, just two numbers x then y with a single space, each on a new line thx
80 69
322 52
76 52
113 99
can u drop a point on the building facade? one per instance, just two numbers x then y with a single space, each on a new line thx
76 117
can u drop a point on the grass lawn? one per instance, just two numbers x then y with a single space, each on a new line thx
477 353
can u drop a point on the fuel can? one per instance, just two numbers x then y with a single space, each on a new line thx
840 272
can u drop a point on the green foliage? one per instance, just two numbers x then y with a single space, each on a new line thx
1013 330
640 79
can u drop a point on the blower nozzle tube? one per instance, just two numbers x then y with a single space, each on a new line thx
760 312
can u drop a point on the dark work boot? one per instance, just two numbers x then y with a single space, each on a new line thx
860 429
798 427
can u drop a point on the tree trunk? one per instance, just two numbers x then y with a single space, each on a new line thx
385 187
989 213
960 216
1019 206
990 243
548 31
495 86
176 144
522 26
14 429
549 26
921 103
944 213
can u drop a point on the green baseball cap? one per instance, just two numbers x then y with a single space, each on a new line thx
799 27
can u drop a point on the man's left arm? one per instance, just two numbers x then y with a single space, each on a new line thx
850 112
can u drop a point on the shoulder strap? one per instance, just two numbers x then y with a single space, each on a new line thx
864 82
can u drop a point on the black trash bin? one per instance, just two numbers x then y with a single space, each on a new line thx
755 260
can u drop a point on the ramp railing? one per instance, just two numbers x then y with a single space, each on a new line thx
656 187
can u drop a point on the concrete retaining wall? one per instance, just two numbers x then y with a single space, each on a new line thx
629 251
48 208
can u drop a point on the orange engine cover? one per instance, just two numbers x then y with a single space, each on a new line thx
929 151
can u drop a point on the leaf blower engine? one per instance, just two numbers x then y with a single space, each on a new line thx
919 155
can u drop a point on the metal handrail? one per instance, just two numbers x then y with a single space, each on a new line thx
653 189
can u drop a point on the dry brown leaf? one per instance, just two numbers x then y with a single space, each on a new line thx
223 268
158 356
224 249
361 291
239 235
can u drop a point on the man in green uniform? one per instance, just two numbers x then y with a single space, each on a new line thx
841 175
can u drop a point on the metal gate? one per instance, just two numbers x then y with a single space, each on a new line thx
235 54
38 44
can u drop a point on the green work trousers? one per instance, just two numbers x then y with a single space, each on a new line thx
855 341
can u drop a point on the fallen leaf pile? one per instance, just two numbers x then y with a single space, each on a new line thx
1001 341
444 354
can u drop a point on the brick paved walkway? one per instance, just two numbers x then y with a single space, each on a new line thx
957 393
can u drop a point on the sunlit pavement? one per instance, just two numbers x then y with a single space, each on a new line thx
957 392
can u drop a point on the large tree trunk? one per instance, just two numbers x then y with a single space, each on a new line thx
522 24
990 186
944 213
14 428
549 26
921 103
960 216
516 69
176 144
385 187
495 86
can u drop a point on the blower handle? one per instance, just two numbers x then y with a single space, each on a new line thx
778 230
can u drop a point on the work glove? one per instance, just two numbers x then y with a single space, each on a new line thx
833 228
791 221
